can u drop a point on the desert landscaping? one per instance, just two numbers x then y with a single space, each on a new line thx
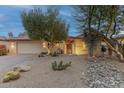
42 75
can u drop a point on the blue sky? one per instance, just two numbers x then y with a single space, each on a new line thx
10 20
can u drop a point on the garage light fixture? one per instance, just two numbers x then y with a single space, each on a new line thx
12 45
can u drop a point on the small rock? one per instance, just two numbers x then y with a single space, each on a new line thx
22 68
103 75
6 78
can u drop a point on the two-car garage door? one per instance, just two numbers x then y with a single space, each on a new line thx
29 47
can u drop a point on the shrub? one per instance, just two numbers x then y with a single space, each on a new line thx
60 66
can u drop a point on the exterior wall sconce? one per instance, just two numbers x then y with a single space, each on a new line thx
12 45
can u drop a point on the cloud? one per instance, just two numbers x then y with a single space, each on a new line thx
65 13
22 6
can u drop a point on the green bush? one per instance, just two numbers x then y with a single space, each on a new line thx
60 66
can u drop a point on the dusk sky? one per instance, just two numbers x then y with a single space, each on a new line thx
10 20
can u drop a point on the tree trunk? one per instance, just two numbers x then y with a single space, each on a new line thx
50 48
98 49
119 55
109 52
48 51
116 51
94 49
91 51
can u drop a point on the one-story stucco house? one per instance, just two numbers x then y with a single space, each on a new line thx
24 45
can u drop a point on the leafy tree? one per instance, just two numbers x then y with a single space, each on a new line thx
10 34
101 22
45 26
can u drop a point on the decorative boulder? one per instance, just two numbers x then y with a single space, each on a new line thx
11 75
22 68
42 54
6 78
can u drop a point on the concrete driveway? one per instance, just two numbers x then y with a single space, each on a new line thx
7 62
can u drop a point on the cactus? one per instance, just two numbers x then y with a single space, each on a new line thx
60 66
54 65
